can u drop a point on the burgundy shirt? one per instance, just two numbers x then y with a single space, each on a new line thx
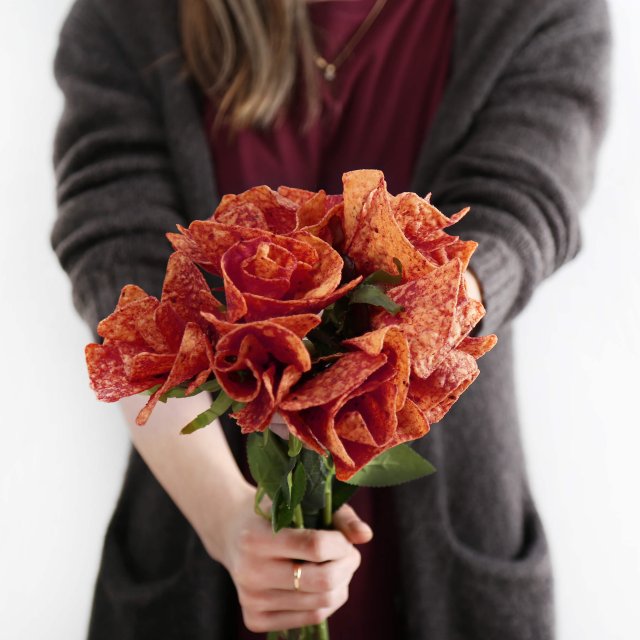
375 114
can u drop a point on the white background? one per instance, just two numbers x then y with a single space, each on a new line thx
62 454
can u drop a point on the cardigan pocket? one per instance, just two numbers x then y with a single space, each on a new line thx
501 598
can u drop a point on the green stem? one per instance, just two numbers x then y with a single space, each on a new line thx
298 518
327 514
323 630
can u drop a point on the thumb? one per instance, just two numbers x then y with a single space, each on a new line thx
355 530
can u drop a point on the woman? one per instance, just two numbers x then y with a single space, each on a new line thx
499 106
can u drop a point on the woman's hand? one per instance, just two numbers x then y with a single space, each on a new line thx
261 565
473 286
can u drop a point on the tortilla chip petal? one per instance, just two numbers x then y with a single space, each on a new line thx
194 356
393 342
257 414
278 211
344 376
477 346
123 323
377 408
107 374
300 324
259 307
206 241
245 215
186 290
428 317
300 429
444 384
378 239
130 293
356 187
146 365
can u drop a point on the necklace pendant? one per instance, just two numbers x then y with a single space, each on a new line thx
330 72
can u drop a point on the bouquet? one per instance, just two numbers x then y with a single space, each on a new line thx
344 318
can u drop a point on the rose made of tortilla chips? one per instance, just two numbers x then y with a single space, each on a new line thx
379 227
258 362
266 274
436 320
149 342
358 407
283 211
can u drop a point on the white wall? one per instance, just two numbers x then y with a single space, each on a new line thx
63 454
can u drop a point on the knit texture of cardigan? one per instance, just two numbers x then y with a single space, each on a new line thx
515 138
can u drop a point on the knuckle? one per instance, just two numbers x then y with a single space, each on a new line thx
324 580
252 601
316 616
246 539
315 546
326 599
241 574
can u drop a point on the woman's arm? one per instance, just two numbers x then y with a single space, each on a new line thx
525 162
197 471
116 185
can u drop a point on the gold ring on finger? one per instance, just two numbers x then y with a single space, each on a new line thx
297 574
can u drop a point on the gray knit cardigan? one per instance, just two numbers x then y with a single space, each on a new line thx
515 138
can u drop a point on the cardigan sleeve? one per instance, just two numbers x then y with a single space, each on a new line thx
116 191
527 161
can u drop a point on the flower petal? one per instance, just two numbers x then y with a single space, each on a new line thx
186 290
107 374
429 314
206 241
194 357
278 212
344 376
377 240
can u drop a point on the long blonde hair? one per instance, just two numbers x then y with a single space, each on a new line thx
248 56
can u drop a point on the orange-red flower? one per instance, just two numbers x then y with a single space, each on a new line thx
149 342
258 362
358 407
379 228
436 320
266 274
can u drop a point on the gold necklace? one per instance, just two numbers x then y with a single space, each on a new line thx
329 69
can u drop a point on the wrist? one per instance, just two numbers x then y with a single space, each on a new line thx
217 521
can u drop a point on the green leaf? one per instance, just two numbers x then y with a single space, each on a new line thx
316 473
295 446
237 406
310 347
394 466
371 294
341 493
285 487
217 408
150 392
256 504
268 462
384 277
335 315
200 421
298 485
181 390
281 512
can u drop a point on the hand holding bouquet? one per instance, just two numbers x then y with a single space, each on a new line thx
345 318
